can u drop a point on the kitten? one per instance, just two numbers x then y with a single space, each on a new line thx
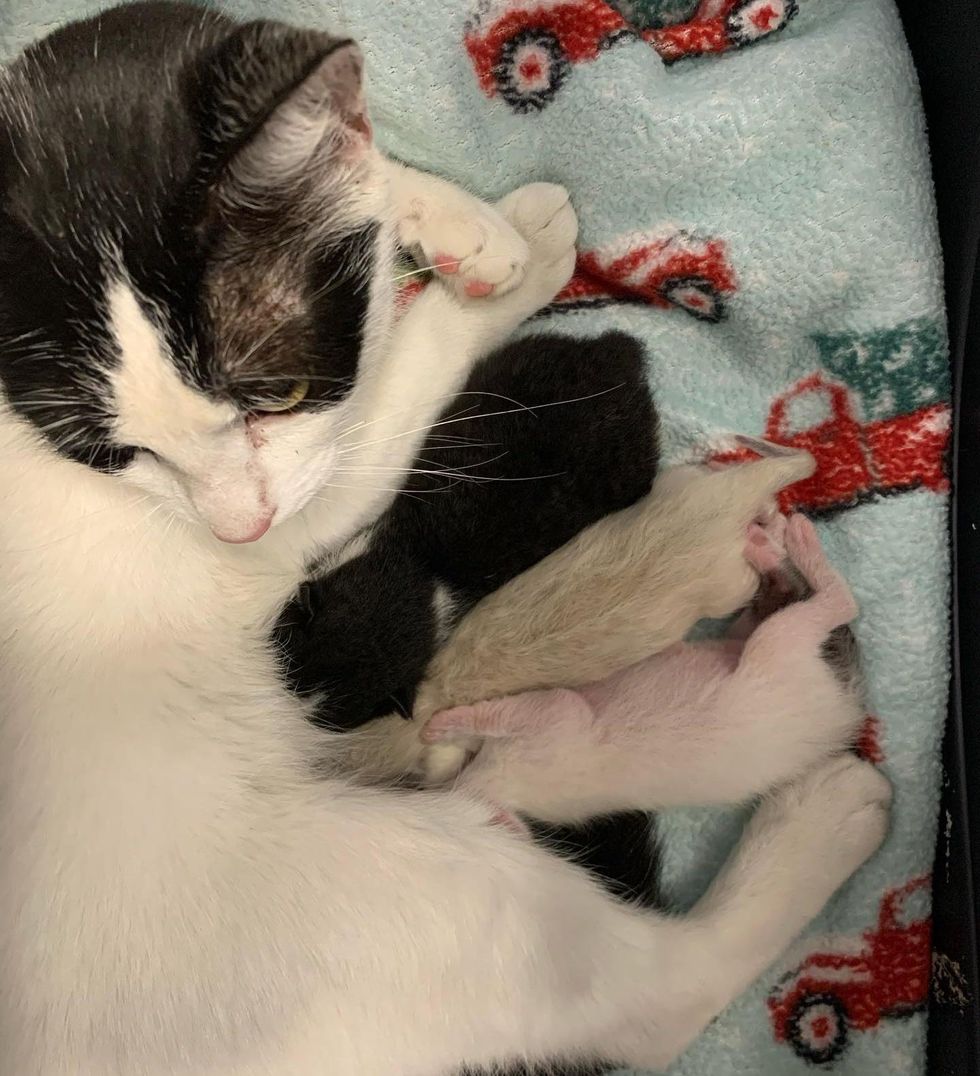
715 721
196 240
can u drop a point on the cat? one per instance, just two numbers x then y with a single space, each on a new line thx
725 719
196 248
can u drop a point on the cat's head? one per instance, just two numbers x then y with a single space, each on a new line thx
195 261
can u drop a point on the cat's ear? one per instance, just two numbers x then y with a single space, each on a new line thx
279 103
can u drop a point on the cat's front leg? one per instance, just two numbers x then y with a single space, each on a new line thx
436 343
474 249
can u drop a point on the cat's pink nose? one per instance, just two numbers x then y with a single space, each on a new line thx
250 532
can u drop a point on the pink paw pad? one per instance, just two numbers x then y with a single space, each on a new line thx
477 289
445 263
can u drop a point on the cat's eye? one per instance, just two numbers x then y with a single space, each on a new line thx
296 395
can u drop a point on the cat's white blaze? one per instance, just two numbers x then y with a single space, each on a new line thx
205 450
147 387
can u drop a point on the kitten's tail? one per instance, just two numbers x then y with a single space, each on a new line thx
749 486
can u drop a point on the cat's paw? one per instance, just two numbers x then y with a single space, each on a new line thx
475 251
543 215
833 818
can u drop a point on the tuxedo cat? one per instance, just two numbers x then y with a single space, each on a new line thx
196 345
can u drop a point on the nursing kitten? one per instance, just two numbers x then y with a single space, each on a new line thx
196 248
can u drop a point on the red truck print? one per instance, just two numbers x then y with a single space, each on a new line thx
820 1004
868 744
524 50
720 25
857 461
677 269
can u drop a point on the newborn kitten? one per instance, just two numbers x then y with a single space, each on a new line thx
699 723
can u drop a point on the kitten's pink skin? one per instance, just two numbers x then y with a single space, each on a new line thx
509 820
478 289
711 701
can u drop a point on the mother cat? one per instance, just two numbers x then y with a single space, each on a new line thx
196 243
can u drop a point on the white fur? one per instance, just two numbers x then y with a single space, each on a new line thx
179 896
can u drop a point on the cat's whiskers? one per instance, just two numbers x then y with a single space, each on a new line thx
426 404
491 414
422 405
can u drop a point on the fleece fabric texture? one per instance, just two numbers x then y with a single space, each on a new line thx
762 218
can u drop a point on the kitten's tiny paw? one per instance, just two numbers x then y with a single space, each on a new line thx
449 724
442 762
511 821
765 547
807 554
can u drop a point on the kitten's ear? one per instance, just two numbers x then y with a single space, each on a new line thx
278 101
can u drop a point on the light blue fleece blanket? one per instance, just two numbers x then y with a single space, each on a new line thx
763 219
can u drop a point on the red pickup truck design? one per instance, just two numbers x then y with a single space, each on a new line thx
856 460
524 51
720 25
816 1007
677 269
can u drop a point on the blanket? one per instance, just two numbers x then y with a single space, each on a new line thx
754 193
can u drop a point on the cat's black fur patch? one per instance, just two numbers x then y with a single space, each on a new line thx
109 170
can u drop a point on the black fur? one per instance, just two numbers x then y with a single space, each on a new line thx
115 134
